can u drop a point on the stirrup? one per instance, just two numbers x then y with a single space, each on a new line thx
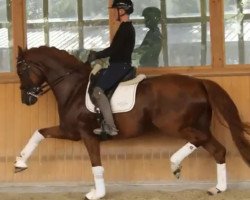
105 128
98 131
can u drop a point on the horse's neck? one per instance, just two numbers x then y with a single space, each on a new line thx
70 89
70 74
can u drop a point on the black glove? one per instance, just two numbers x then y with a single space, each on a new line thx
92 56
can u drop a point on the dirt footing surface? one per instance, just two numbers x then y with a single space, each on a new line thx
191 194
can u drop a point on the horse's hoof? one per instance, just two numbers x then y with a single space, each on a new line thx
213 191
19 169
177 173
93 195
176 169
86 198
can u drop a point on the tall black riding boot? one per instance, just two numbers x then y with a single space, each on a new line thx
103 104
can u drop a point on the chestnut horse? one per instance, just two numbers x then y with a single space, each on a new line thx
171 104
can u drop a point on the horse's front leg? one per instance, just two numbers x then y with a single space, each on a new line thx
92 144
36 138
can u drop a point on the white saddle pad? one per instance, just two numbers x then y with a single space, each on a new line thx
123 99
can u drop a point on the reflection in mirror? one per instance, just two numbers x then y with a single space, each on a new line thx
184 30
181 37
149 50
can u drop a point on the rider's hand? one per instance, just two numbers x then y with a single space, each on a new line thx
92 56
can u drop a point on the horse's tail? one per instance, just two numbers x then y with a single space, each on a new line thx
222 103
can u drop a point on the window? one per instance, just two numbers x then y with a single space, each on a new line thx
95 24
185 27
185 31
5 36
237 27
69 25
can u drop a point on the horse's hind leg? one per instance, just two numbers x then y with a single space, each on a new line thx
218 151
195 138
36 138
178 156
198 138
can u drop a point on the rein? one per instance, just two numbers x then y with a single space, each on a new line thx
54 83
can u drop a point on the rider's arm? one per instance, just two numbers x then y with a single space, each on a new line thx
116 44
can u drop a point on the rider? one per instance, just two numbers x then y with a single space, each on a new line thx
119 54
150 48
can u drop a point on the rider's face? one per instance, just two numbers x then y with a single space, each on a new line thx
121 12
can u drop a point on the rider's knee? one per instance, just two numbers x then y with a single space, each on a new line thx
97 93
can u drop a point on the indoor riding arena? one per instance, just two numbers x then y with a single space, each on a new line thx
200 39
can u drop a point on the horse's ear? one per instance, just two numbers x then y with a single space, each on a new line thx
20 52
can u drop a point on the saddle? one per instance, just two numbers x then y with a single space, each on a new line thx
122 97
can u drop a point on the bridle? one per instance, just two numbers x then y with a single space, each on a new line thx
34 92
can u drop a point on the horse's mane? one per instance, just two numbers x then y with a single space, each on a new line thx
63 56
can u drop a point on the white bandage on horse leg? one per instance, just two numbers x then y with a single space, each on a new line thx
99 190
182 153
221 177
35 139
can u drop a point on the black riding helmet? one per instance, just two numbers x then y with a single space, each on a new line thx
127 5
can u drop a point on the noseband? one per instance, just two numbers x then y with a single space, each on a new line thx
34 92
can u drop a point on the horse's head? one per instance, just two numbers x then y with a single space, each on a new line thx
36 66
31 77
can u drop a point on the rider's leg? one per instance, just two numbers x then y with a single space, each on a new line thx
103 104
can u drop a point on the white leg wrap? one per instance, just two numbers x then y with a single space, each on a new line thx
35 139
182 153
99 190
221 177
